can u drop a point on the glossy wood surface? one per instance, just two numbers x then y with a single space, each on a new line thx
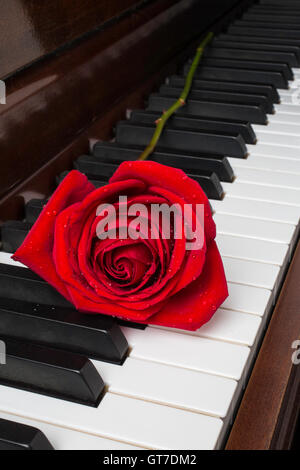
52 102
30 29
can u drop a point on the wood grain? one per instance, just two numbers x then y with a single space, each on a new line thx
267 415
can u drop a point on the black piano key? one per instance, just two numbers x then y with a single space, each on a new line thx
23 284
18 436
209 182
239 75
282 69
268 91
275 9
185 122
100 182
211 109
293 51
33 209
26 286
13 233
275 33
110 151
261 40
280 3
186 140
268 25
95 336
246 54
51 372
228 96
272 18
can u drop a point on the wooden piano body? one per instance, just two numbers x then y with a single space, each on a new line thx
72 69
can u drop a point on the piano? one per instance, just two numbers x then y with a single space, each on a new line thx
85 81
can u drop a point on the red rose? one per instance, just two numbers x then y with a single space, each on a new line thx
147 280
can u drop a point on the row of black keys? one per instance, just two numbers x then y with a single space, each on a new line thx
179 147
227 96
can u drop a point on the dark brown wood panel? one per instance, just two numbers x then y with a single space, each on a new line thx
30 29
269 409
52 102
41 183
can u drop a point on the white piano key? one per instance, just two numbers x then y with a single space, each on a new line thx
288 92
268 178
257 209
287 108
292 85
265 163
286 118
66 439
248 299
263 193
254 228
5 258
274 150
296 73
278 139
173 386
292 98
277 128
228 325
253 250
250 272
120 418
190 352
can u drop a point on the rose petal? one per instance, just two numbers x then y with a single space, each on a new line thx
195 305
172 179
36 250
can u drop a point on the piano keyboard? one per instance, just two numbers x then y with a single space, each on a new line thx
178 389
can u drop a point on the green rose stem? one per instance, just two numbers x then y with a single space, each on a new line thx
160 123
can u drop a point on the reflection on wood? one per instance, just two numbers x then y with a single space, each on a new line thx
29 29
50 103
